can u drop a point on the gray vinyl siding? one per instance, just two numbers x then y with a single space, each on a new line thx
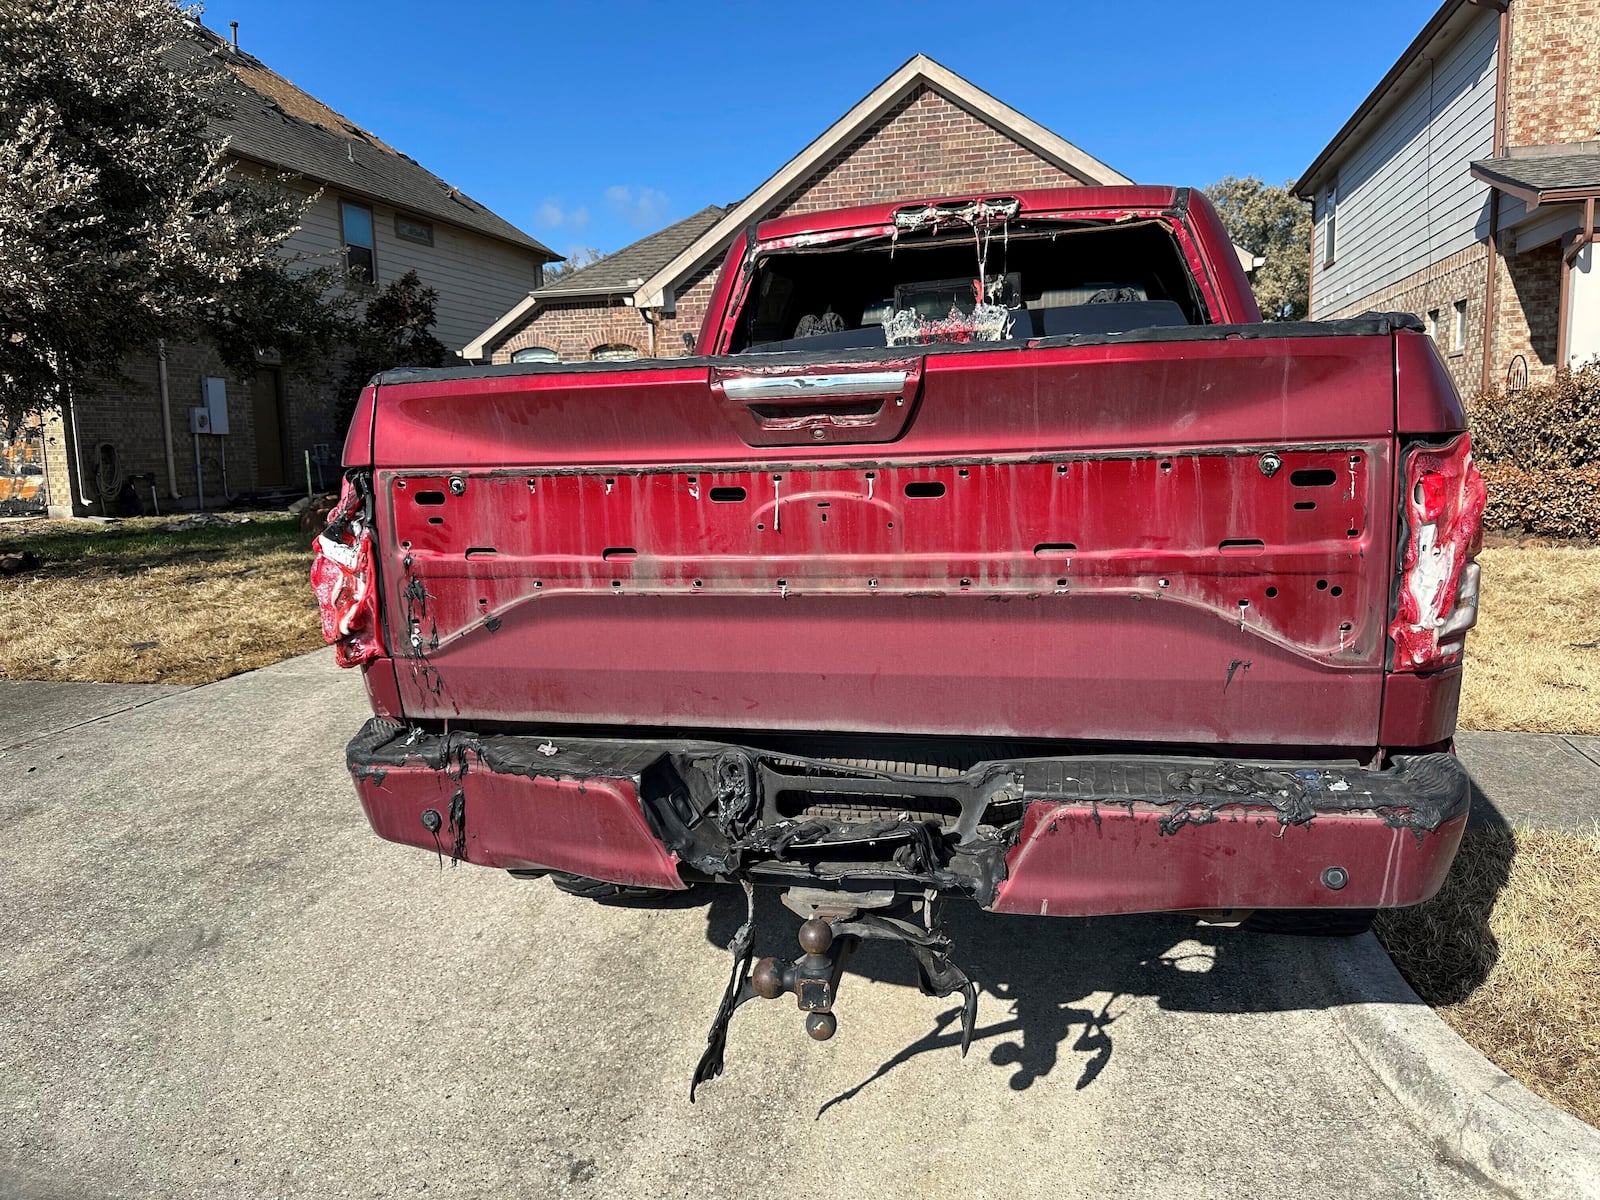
318 241
1406 196
477 278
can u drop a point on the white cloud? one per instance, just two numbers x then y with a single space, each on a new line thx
643 207
552 215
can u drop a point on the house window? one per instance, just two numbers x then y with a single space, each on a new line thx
359 257
1433 325
535 354
613 353
1330 220
411 229
1458 328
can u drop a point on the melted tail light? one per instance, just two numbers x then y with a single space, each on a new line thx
343 578
1442 530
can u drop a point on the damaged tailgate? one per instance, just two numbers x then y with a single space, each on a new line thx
1184 540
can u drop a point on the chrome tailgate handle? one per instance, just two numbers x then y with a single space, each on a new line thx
783 406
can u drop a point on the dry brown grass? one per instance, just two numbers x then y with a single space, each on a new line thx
1509 954
1533 663
133 604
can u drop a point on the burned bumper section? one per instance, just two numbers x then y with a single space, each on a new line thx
1059 836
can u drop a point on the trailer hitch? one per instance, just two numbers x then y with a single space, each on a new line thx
813 978
833 926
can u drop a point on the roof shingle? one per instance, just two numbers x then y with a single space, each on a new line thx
271 121
1543 172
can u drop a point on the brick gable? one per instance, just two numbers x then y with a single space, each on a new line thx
924 146
575 328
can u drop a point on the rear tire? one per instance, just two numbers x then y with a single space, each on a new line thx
1311 922
605 893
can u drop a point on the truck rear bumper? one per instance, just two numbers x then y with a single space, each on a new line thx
1077 861
1068 836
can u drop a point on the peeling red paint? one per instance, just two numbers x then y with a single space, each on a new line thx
1443 501
343 578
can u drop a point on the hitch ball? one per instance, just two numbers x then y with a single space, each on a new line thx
821 1025
816 935
766 980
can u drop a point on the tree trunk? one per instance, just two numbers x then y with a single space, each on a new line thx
77 499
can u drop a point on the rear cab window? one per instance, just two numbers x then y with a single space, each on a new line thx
979 271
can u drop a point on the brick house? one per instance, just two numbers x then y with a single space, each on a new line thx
924 131
379 212
1463 189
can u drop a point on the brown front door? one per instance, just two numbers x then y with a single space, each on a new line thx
266 397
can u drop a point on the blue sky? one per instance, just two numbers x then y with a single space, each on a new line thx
594 124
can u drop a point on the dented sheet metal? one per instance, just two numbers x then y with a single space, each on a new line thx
826 586
1075 529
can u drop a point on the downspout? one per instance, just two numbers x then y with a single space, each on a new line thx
1583 237
44 461
1311 270
1502 73
652 319
166 419
1489 291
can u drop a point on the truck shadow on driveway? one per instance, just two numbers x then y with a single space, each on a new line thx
1053 982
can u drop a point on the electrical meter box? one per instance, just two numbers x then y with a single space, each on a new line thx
199 420
214 392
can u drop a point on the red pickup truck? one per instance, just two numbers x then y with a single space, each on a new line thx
991 548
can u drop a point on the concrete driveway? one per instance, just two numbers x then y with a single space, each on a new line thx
219 983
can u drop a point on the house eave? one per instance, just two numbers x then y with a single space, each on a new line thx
1534 197
537 250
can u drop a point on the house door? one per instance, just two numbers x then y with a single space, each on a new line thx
266 398
1583 308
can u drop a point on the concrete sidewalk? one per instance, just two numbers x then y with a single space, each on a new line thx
30 709
1534 780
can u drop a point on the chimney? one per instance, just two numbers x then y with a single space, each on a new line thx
234 25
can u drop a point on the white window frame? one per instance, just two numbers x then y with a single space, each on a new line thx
344 234
1330 224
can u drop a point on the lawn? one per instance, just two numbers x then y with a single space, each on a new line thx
1509 955
133 603
1533 663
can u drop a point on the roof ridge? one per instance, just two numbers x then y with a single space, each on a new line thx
310 139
